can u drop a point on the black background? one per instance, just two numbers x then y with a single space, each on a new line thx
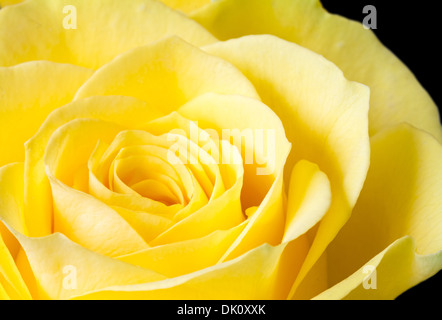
412 31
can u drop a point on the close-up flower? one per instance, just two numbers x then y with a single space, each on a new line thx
222 150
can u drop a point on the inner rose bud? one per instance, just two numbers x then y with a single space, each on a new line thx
132 171
165 182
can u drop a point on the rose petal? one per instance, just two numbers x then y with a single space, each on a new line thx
147 225
309 191
309 200
69 269
82 46
401 197
266 225
186 5
392 271
167 74
3 293
11 214
4 3
29 92
12 285
11 196
395 92
190 255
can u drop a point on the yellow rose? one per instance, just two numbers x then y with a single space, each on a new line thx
214 153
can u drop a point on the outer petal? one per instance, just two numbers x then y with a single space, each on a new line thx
28 93
11 214
190 255
11 280
394 270
101 32
401 197
313 197
309 199
396 95
11 196
4 3
69 269
3 294
325 117
166 74
186 6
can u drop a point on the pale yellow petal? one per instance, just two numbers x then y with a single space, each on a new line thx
175 259
166 74
251 276
186 6
88 33
10 278
401 197
388 274
28 93
63 268
11 216
3 294
309 191
309 199
11 196
396 95
4 3
266 225
147 225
